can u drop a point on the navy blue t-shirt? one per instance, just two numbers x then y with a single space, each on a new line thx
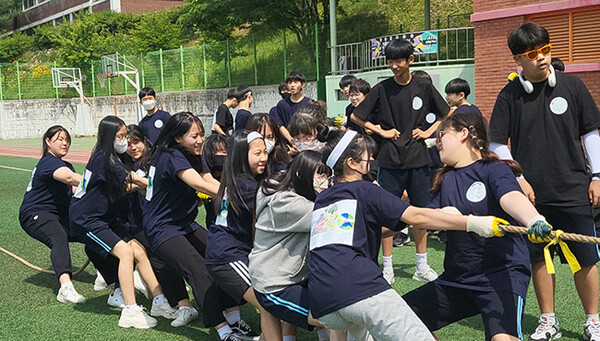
170 205
241 117
230 237
351 125
286 109
467 108
344 244
152 125
44 193
473 262
91 207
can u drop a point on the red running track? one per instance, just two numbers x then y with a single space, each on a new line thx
74 156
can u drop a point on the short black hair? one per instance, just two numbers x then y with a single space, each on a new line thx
147 91
360 85
295 77
399 49
527 37
458 85
422 74
241 92
557 64
282 86
346 81
231 93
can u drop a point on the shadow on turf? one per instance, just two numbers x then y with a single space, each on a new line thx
50 281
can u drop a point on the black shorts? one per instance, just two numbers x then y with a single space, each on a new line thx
233 278
440 305
573 219
101 240
290 304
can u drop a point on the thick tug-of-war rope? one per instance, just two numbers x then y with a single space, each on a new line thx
572 237
35 267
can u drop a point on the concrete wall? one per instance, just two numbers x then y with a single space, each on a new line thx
31 118
440 75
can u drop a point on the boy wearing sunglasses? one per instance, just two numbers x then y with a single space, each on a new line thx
545 114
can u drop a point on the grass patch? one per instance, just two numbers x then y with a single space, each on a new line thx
29 309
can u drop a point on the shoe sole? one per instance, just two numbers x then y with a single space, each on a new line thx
419 279
62 300
555 337
129 325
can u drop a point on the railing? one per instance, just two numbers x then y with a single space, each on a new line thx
454 45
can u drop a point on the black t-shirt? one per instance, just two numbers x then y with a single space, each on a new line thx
152 125
44 193
351 125
286 109
224 119
545 129
403 107
241 117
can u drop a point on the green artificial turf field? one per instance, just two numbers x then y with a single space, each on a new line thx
29 309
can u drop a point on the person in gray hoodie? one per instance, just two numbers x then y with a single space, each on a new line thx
278 263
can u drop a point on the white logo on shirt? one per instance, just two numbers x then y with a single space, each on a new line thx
430 118
150 189
158 124
30 185
417 103
559 105
222 217
82 188
333 224
476 192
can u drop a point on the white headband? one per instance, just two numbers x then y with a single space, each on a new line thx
253 136
340 147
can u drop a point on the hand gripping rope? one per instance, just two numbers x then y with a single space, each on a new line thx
558 237
35 267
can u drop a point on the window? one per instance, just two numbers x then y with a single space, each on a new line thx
573 34
27 4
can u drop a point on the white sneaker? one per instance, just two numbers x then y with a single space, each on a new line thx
68 294
115 299
389 276
546 330
139 285
591 330
136 317
163 309
427 275
99 283
185 315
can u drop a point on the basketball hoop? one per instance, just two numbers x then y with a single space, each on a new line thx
102 79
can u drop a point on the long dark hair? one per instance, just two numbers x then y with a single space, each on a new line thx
257 122
107 130
298 177
212 144
477 127
49 134
176 126
136 134
236 165
355 150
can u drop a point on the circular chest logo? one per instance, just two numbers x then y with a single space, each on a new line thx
430 118
559 105
417 103
158 124
476 192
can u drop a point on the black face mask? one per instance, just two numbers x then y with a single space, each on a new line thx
285 95
215 163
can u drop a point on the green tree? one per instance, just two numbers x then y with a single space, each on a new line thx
12 47
8 12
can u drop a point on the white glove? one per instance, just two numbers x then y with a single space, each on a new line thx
430 143
486 226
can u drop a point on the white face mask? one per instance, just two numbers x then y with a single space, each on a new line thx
270 145
311 145
320 185
120 146
149 104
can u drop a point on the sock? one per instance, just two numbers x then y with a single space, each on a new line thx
130 307
550 317
233 317
67 284
591 318
323 334
387 263
185 307
159 299
224 332
422 262
289 338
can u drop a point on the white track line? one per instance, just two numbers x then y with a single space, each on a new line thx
15 168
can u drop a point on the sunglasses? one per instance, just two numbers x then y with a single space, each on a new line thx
533 54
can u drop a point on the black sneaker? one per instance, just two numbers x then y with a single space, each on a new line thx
401 239
233 337
242 330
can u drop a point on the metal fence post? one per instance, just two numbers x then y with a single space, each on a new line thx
162 78
109 81
142 67
93 81
55 89
317 50
255 62
18 79
204 63
1 93
228 64
284 56
182 68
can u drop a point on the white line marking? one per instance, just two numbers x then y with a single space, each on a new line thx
15 168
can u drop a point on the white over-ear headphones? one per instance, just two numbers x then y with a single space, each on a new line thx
529 87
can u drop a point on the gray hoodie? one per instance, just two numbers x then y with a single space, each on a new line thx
281 241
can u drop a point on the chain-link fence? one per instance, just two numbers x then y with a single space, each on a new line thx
251 60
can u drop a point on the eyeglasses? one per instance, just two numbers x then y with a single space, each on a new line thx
533 54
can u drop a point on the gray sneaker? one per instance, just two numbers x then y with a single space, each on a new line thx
546 330
185 315
428 275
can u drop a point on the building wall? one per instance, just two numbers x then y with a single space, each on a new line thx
137 6
45 10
